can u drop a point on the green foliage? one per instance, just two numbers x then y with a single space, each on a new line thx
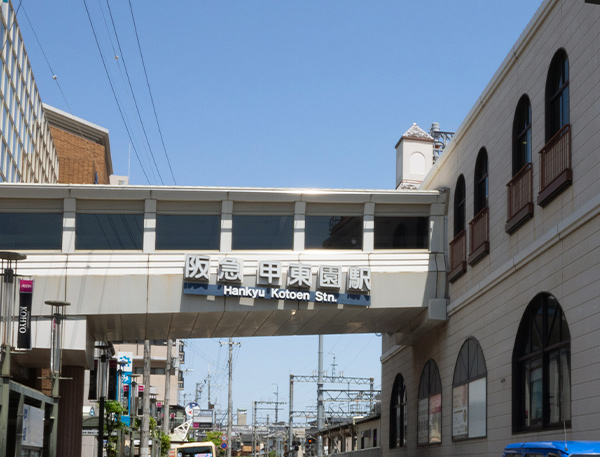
215 437
165 444
113 410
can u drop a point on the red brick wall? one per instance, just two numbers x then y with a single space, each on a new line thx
79 159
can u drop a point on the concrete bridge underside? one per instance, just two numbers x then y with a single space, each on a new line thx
125 297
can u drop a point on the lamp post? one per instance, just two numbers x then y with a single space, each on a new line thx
102 375
55 363
7 295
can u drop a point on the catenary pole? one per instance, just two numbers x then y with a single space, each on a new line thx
145 432
320 412
166 406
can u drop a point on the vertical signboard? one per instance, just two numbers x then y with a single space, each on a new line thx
125 359
112 379
93 392
24 321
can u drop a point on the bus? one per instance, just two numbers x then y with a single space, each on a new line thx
199 449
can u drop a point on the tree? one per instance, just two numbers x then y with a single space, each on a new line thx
113 411
215 437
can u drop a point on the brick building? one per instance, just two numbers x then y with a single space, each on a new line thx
83 148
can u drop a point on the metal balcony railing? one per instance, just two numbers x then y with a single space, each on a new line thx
458 256
555 165
520 198
479 236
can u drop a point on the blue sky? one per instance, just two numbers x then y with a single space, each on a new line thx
270 93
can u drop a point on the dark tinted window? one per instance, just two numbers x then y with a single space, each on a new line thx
459 206
30 231
521 135
262 232
337 232
109 231
557 94
480 199
178 232
392 232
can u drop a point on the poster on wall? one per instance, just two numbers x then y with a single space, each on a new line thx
459 412
423 422
435 418
33 427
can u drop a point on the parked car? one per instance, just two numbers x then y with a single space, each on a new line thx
553 449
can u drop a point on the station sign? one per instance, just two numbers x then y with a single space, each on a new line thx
329 287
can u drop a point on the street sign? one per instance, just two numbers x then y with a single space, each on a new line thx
224 438
189 408
223 445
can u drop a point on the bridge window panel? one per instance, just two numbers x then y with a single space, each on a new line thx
262 232
181 232
31 231
542 367
109 232
469 406
429 414
401 232
333 232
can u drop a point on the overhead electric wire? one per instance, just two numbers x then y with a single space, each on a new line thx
113 90
122 58
150 92
55 78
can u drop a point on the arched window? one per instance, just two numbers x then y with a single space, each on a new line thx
521 135
459 205
557 94
469 393
429 427
481 182
542 367
398 413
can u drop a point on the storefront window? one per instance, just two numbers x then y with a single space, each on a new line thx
429 426
469 406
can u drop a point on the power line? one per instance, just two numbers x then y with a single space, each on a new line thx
150 91
55 78
113 90
130 85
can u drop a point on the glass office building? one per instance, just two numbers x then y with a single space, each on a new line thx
27 152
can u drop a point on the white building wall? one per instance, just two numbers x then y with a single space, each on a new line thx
556 251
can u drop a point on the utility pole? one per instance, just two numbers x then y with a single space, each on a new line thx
320 412
291 429
230 396
145 432
166 406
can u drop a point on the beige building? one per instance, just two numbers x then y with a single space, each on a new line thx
517 358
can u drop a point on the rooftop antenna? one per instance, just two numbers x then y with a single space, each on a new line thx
440 139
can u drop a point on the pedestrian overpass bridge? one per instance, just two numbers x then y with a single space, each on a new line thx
154 262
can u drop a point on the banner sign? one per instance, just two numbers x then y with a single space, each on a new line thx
93 389
112 379
24 321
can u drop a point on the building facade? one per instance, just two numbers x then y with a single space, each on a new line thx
517 358
27 152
